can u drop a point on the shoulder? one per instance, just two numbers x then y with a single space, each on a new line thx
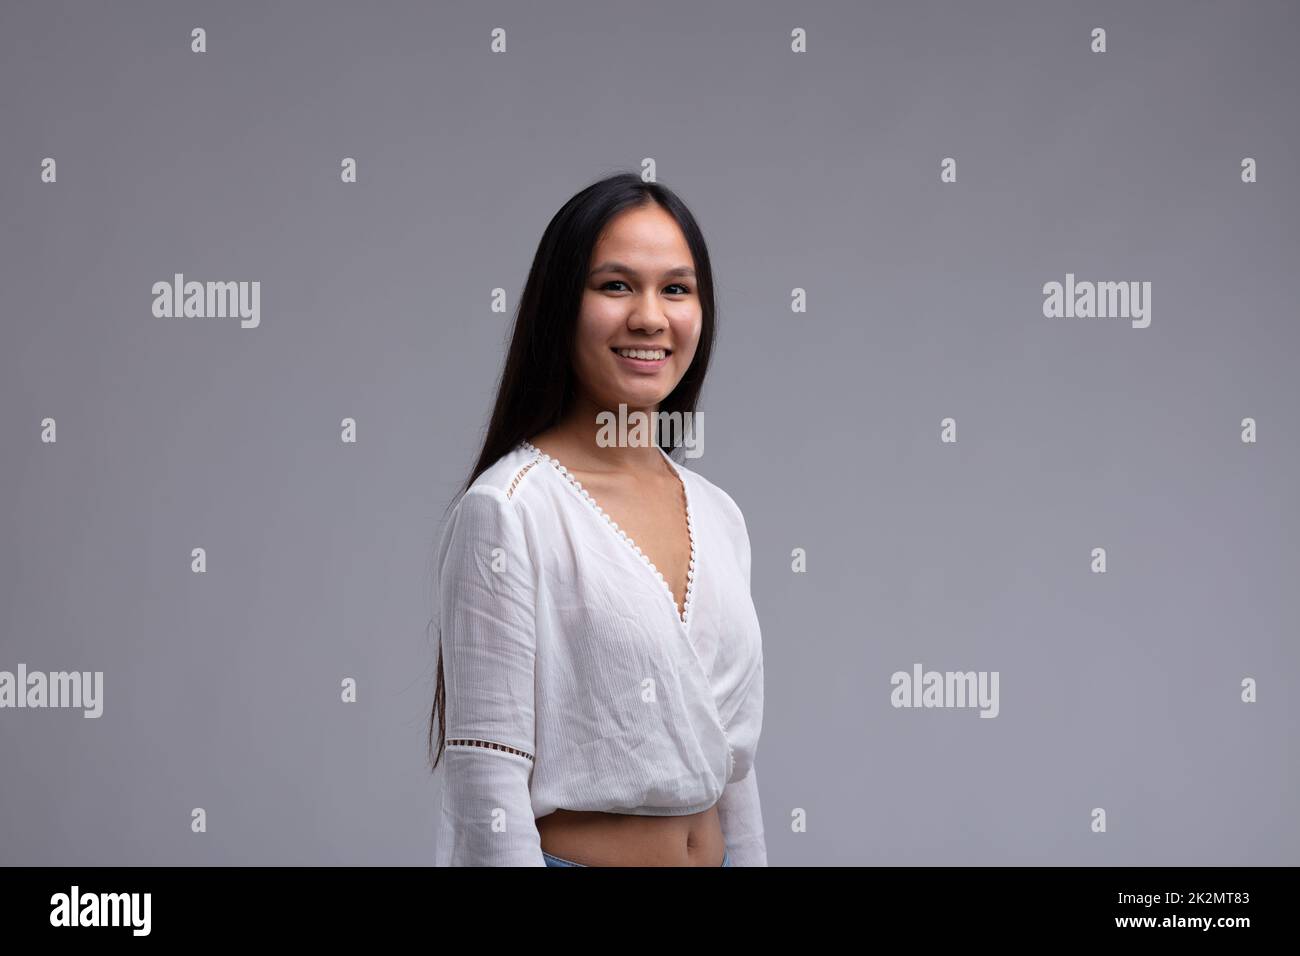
495 494
486 519
504 477
709 495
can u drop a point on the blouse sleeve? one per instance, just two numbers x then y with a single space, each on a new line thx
487 613
739 809
741 815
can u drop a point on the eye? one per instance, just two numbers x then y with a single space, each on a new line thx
685 290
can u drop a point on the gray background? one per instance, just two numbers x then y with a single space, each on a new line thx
818 171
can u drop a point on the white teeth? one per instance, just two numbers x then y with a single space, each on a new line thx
651 354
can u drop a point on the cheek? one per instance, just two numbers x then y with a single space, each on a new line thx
596 325
688 332
598 321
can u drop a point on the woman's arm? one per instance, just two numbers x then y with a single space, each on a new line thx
487 616
739 808
742 821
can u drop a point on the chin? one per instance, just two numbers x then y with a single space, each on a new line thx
636 398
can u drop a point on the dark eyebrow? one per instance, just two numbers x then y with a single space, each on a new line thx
628 270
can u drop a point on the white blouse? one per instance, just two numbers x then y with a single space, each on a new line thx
572 681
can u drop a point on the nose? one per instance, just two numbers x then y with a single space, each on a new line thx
646 317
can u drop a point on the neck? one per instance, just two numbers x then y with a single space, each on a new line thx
581 434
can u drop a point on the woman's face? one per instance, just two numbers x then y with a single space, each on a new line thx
641 296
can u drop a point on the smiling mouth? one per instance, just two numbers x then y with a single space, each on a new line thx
645 355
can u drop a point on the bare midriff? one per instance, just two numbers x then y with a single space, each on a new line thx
621 839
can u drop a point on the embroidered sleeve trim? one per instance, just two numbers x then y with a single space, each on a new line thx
489 744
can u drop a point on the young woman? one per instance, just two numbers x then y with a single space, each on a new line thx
600 671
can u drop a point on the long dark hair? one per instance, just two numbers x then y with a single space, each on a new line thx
537 385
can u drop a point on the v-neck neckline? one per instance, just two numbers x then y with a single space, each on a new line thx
682 616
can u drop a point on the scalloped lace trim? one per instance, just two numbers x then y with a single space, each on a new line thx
685 613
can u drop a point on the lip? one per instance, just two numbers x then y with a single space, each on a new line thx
643 366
